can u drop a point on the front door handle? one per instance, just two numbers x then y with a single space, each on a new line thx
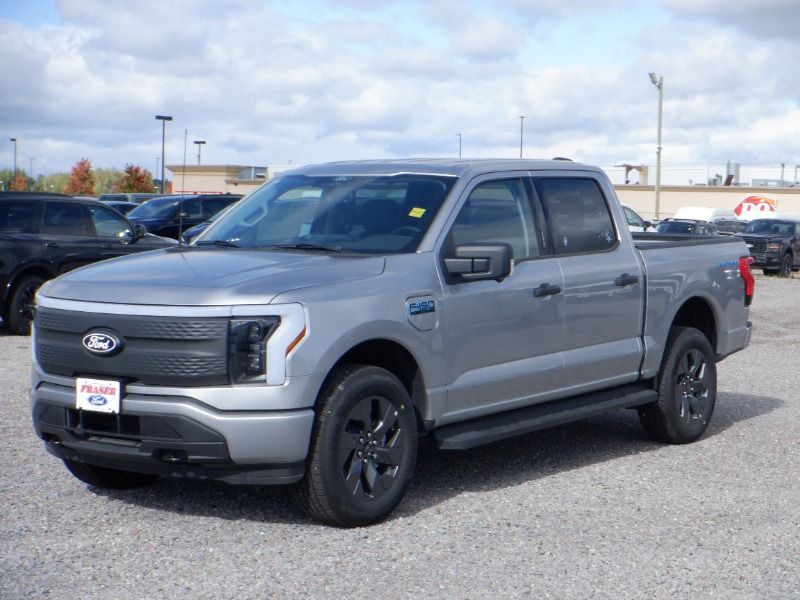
625 279
546 290
51 245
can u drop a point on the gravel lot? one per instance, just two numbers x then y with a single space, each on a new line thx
591 509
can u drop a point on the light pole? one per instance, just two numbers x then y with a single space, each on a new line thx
15 155
199 147
521 121
795 174
459 145
659 83
163 119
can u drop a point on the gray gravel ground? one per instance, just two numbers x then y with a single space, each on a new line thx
592 509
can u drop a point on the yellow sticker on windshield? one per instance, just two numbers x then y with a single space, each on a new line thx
416 212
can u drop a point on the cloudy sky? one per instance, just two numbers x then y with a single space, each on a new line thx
305 81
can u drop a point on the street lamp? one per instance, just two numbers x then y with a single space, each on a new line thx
15 155
163 119
459 145
521 121
199 147
795 173
659 83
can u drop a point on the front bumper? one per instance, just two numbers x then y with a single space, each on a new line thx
768 260
175 436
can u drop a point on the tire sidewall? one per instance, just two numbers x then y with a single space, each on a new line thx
364 382
15 322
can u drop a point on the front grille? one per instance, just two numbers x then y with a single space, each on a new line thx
756 245
156 350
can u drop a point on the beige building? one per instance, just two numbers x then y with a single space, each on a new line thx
641 198
220 179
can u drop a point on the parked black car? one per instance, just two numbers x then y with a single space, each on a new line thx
167 215
686 227
188 235
121 205
43 236
774 245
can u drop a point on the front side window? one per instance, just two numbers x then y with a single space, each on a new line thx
107 224
361 214
498 211
161 208
578 214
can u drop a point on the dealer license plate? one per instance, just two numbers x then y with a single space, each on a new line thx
97 395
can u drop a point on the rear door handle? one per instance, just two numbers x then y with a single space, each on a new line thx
625 279
51 244
546 290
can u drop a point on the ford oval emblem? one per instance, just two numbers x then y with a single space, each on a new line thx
97 400
102 343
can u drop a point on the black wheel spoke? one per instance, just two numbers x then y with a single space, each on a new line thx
352 480
370 477
389 456
362 413
387 419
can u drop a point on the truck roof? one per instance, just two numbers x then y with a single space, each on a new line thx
453 167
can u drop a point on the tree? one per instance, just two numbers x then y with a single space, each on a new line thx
81 179
105 180
20 183
135 179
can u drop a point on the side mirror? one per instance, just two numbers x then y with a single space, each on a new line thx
139 231
647 225
474 262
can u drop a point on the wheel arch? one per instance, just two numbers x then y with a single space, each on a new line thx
395 358
697 312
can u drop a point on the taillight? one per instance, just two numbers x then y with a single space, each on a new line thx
747 277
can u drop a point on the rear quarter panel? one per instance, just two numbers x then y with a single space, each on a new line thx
708 269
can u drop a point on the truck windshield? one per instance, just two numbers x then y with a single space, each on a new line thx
362 214
769 226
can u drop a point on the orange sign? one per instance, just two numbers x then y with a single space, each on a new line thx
755 204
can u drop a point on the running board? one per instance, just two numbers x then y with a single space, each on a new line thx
485 430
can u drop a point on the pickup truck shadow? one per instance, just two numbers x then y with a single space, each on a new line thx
443 474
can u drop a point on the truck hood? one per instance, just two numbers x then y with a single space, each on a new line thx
208 276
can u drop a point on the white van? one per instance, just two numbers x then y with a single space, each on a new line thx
705 213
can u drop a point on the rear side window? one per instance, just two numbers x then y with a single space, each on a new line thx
17 217
578 214
62 218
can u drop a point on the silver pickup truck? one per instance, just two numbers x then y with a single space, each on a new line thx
340 312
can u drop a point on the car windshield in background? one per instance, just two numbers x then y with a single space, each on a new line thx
671 227
769 226
363 214
154 209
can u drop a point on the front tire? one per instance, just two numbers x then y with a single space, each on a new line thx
363 449
687 389
108 479
21 305
786 265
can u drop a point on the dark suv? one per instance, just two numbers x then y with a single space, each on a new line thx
774 245
170 215
43 236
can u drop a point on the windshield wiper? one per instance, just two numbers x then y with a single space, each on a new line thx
316 247
220 243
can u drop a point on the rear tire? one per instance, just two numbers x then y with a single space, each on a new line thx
108 479
21 304
363 449
687 389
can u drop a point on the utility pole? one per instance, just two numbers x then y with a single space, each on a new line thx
521 121
163 119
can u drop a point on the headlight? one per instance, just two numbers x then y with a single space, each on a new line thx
248 348
774 246
260 346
